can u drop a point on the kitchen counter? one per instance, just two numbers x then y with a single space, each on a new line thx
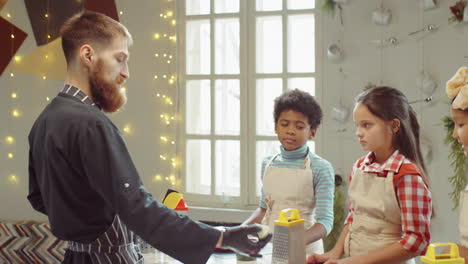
216 258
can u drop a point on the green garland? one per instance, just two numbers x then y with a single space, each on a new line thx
459 162
338 220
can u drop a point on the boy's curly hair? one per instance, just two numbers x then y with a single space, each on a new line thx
299 101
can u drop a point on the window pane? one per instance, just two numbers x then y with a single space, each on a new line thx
227 46
269 46
227 105
227 167
267 91
264 150
198 158
197 7
226 6
301 4
304 84
197 112
198 47
269 5
301 43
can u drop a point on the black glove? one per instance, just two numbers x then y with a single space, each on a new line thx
235 238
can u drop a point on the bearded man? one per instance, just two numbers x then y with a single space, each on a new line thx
81 174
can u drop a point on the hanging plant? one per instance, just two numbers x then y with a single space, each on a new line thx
338 215
457 11
329 6
458 162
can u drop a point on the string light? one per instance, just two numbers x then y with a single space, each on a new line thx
17 59
173 22
46 15
47 99
8 15
156 55
155 76
9 140
164 139
12 36
15 113
44 77
121 12
14 95
12 178
127 129
10 155
157 178
156 36
169 13
12 74
162 157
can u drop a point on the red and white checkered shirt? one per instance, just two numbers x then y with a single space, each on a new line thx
413 196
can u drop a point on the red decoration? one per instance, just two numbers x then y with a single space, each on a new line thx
11 39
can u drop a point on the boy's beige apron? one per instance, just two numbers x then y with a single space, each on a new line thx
291 188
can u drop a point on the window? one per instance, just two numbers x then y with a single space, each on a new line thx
236 56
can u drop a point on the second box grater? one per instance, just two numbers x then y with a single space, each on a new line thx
288 238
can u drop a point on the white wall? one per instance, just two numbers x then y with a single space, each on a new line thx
439 54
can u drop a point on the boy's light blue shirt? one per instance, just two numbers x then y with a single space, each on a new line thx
324 180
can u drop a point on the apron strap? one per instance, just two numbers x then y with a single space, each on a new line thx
93 248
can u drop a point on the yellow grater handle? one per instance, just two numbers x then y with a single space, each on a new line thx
293 219
452 257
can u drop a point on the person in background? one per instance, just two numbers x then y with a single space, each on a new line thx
81 174
457 91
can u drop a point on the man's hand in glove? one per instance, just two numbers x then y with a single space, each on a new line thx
236 238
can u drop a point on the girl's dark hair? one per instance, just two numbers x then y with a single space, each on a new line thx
301 102
389 103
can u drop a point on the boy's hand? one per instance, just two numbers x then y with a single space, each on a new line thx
322 258
236 238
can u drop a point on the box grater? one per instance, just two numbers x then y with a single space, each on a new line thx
453 257
288 238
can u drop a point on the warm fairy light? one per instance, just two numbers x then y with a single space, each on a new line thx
47 99
46 57
157 178
164 76
173 38
172 178
156 36
164 139
158 95
121 12
12 75
8 15
170 56
171 81
46 15
164 55
9 140
167 178
156 55
173 22
162 157
164 96
48 36
18 59
165 35
168 101
169 13
173 142
10 155
12 178
161 15
168 61
14 95
123 89
12 36
127 129
44 77
155 76
15 113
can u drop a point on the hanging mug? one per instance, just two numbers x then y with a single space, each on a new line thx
426 84
381 16
465 15
334 53
339 113
428 4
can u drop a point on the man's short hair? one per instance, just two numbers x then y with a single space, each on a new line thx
88 27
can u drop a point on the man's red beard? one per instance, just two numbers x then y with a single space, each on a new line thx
106 94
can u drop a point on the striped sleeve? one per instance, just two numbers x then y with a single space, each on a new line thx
324 187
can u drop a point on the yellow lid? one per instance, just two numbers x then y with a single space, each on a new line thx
453 257
284 220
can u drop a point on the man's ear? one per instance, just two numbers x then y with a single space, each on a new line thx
87 55
313 131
